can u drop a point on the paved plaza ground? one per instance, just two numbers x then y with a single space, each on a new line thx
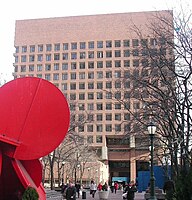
112 196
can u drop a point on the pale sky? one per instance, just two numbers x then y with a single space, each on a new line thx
12 10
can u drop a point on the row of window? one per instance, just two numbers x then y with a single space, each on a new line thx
90 55
90 45
104 106
89 65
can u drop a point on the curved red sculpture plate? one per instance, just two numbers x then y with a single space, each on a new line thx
34 118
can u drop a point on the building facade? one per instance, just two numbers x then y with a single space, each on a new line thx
86 57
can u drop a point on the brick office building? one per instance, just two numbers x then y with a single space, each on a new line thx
85 57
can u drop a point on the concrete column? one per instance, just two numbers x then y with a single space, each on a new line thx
132 166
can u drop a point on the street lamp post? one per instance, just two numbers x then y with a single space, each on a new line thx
151 130
63 165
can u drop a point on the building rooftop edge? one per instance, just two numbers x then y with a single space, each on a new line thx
93 15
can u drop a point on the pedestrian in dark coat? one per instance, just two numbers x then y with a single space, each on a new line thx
131 189
71 192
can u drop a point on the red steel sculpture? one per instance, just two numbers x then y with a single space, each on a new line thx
34 119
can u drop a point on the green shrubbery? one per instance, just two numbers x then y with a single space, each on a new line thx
30 194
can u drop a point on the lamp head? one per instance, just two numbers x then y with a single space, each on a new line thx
151 128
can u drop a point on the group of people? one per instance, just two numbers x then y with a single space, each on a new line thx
70 191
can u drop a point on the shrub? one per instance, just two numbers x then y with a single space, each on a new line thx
30 194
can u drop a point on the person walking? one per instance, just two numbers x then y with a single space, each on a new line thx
93 188
71 192
131 189
116 187
78 188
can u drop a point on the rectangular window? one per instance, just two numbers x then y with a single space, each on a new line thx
99 95
64 76
39 68
82 55
90 96
82 75
126 43
99 64
56 66
108 117
73 45
89 128
73 76
136 63
31 68
23 68
108 54
99 128
81 86
108 95
73 86
31 58
117 53
91 65
90 75
48 77
24 49
48 57
40 48
32 48
23 58
91 45
117 106
57 47
126 53
108 106
108 44
118 117
82 96
56 56
90 106
40 57
64 86
99 117
73 55
82 65
64 66
89 139
99 106
117 74
100 85
72 97
126 63
117 84
99 44
17 49
73 65
99 54
91 54
108 127
135 52
65 46
117 63
117 43
99 139
108 85
135 42
127 116
82 45
99 75
108 74
65 56
91 85
48 47
55 76
108 64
